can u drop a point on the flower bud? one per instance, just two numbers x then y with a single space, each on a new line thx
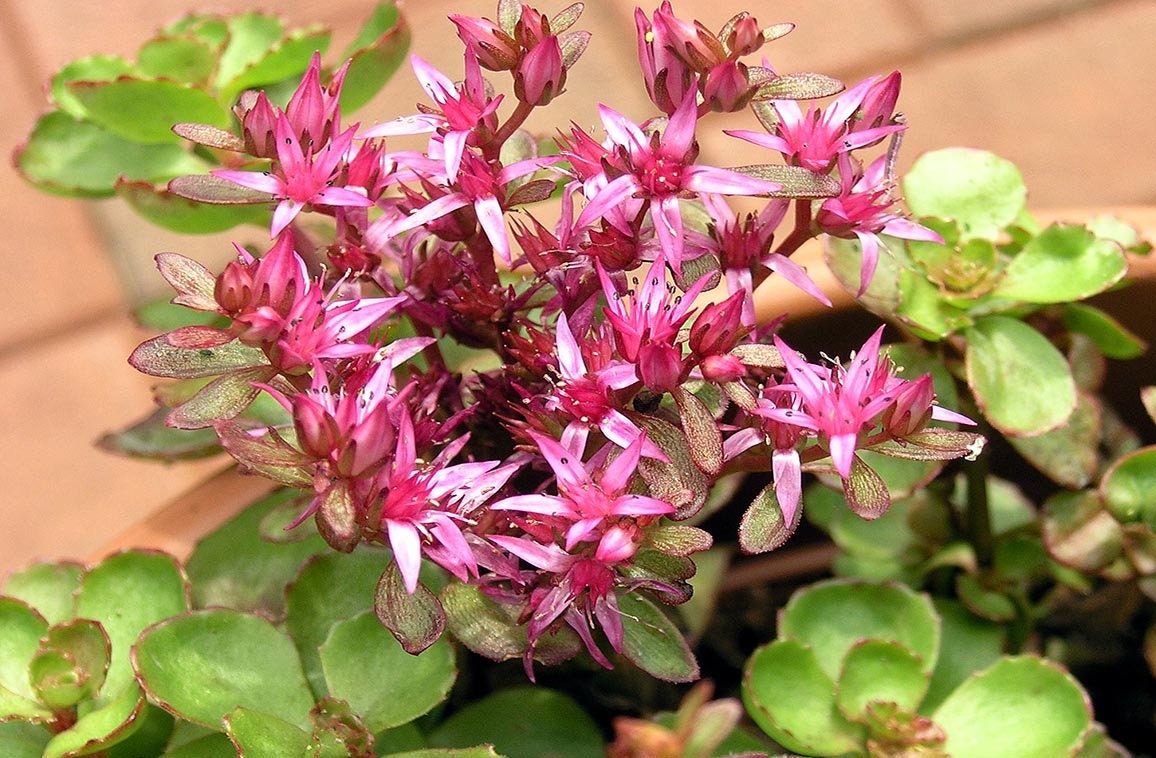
911 410
745 37
541 75
722 369
726 88
494 49
718 327
257 116
667 78
660 366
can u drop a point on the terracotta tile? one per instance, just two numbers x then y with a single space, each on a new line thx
950 18
62 496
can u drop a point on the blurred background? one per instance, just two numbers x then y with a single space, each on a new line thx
1064 88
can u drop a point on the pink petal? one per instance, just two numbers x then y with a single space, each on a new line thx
842 449
788 477
489 213
406 545
724 182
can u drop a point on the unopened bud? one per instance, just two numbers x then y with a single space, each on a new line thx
541 75
494 49
726 88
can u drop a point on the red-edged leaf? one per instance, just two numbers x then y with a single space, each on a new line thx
337 518
194 283
702 435
265 448
933 444
761 356
193 352
225 397
417 620
866 491
678 539
206 188
763 527
210 136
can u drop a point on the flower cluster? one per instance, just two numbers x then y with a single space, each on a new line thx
539 436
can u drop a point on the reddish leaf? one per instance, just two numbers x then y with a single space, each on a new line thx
703 439
210 136
337 518
225 397
417 620
206 188
194 352
195 283
866 492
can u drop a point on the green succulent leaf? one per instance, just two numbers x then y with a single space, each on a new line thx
1128 487
202 665
880 671
194 352
21 628
70 664
984 601
1078 532
1068 455
792 699
1020 380
833 616
1110 336
1061 264
924 308
979 190
968 644
126 593
153 439
416 619
484 751
184 59
284 59
491 629
261 734
20 739
653 643
233 567
179 214
312 607
547 723
144 110
764 527
376 53
66 156
98 68
1020 707
386 686
845 258
250 37
48 587
99 729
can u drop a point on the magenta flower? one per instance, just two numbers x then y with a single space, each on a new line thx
815 139
661 169
864 210
589 501
301 178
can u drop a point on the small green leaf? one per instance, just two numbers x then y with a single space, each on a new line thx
547 723
144 110
233 567
983 601
70 157
183 59
415 619
250 36
312 607
1020 380
48 587
99 729
1062 263
834 615
21 628
795 181
924 308
968 644
208 746
194 352
70 664
485 751
1110 336
845 258
98 68
764 527
492 630
798 86
1018 708
152 438
981 191
1068 455
703 439
286 58
126 593
1078 532
365 666
201 665
653 643
879 671
791 697
180 214
260 734
866 492
225 397
20 739
376 54
1128 488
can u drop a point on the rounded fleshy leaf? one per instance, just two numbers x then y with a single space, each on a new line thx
834 615
1068 455
845 259
791 697
763 527
1020 707
887 537
261 734
99 729
983 601
653 643
286 58
483 751
97 68
70 664
184 59
967 644
1020 380
523 722
386 686
171 355
179 214
77 158
1061 264
151 438
48 587
923 308
491 629
1112 339
866 492
312 607
376 53
126 593
415 619
981 191
1128 486
200 666
249 38
880 671
1078 532
21 628
233 567
20 739
703 439
207 746
144 110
